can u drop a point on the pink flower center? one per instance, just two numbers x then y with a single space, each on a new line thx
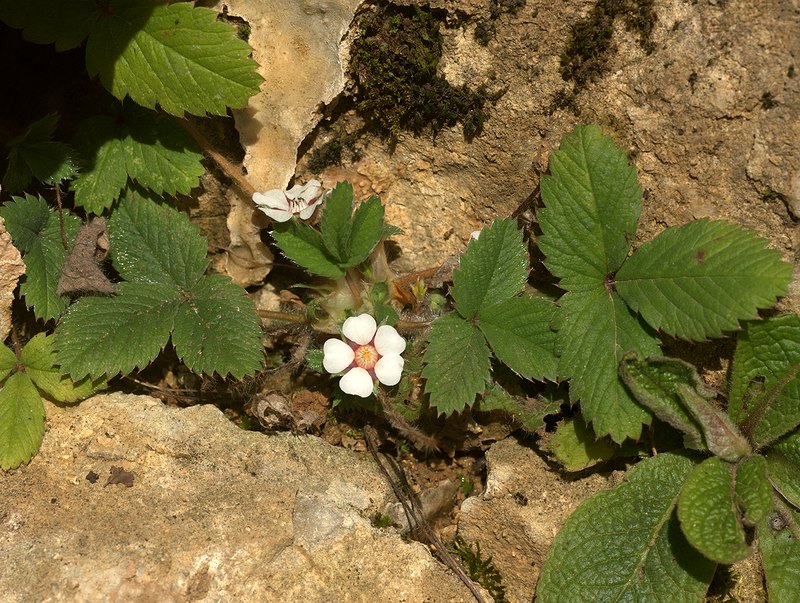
366 356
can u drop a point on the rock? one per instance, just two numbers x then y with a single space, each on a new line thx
196 509
11 268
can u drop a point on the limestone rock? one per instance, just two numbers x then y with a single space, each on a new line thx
200 510
11 268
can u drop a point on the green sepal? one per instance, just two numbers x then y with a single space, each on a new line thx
21 421
304 246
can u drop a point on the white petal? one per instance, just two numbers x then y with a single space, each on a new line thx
360 329
276 199
389 369
279 215
336 355
388 341
357 382
306 212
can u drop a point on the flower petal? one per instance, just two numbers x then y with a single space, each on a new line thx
360 329
357 382
389 369
336 355
388 341
279 215
306 212
276 199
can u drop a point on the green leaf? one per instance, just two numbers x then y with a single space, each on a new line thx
592 205
155 243
764 394
367 230
596 330
493 268
174 55
40 365
34 154
314 359
519 331
335 222
577 447
653 382
303 245
8 360
529 414
217 329
753 490
780 556
106 173
456 364
65 22
783 465
110 335
39 234
625 544
21 421
708 514
698 280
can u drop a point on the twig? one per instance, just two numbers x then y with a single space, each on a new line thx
421 441
61 218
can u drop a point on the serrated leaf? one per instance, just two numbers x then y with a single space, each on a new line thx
698 280
708 514
367 230
39 360
753 490
592 206
456 364
314 360
105 173
21 421
8 360
653 383
175 55
577 447
596 330
520 334
493 268
780 556
110 335
625 544
153 243
65 22
764 394
783 465
217 329
529 414
304 246
335 224
39 233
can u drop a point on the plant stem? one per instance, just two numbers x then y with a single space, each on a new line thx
352 279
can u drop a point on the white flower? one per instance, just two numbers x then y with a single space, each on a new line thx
368 353
301 199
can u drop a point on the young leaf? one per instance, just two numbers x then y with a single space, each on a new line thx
21 421
625 544
335 222
780 556
175 55
708 515
519 331
493 268
367 230
35 155
701 279
304 245
592 205
215 329
529 414
753 490
456 364
577 447
767 356
783 465
8 360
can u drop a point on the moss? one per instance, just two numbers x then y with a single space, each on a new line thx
482 571
394 63
486 29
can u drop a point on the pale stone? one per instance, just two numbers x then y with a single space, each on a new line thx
11 268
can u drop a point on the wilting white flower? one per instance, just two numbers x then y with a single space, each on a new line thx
370 353
301 199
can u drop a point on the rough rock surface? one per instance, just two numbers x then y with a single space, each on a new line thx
199 510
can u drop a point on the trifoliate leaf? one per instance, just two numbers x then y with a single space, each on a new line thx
110 335
753 490
40 365
217 329
529 414
303 245
708 514
35 155
765 387
519 331
625 544
155 243
596 330
367 230
456 364
701 279
335 224
175 55
783 465
105 172
493 268
780 556
592 205
38 231
8 360
21 421
577 447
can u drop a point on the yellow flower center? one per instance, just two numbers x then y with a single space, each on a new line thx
366 356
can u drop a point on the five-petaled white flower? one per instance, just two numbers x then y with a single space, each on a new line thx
368 353
301 199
